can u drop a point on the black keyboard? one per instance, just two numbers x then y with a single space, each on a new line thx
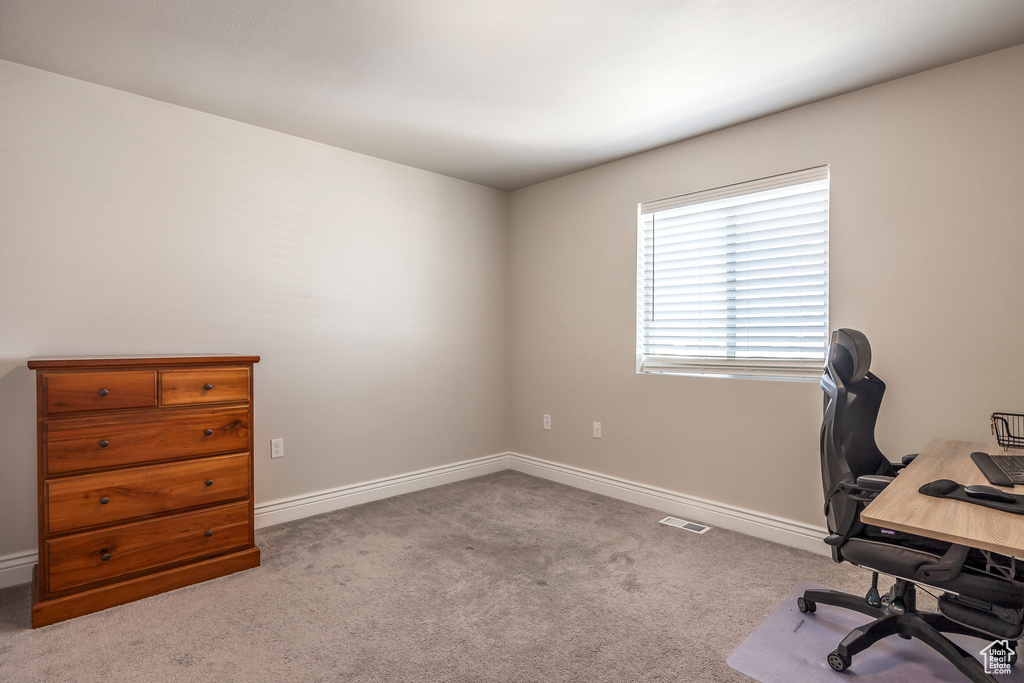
1001 470
1013 465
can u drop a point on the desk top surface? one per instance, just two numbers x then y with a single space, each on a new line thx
902 508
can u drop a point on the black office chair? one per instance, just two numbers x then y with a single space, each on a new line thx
982 592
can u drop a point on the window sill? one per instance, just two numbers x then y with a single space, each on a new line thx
773 378
805 370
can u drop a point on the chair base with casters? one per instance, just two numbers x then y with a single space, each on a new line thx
896 614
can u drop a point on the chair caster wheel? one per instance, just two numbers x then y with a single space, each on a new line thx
838 662
806 606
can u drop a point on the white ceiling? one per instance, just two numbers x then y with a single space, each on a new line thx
505 93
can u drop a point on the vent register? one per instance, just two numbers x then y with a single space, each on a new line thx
683 524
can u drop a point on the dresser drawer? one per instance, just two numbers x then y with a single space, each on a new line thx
89 443
68 392
205 385
79 559
94 499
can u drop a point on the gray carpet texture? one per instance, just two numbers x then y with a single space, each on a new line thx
502 578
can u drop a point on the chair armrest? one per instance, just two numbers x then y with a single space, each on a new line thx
904 461
873 482
948 567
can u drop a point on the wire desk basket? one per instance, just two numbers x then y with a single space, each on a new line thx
1009 429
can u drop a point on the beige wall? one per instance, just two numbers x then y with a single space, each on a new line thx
375 293
927 258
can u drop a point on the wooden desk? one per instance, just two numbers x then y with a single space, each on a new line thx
902 508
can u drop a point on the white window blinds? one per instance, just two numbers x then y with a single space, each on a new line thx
734 280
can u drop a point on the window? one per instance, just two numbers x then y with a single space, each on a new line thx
734 281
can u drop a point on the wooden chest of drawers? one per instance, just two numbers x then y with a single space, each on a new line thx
145 478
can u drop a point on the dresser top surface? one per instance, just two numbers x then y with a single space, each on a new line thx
126 361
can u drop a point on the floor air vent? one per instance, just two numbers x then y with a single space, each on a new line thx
683 524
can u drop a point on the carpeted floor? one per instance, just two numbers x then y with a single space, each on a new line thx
498 579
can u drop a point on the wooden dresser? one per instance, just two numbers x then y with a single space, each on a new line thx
145 477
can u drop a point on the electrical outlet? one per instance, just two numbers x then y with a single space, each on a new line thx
597 430
547 422
277 448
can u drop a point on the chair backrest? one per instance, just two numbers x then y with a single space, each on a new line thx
852 398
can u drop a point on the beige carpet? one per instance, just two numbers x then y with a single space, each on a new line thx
497 579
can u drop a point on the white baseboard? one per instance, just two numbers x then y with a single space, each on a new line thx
757 524
297 507
17 568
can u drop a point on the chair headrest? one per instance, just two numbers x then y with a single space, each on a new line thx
849 354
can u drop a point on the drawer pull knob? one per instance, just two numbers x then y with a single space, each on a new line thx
208 432
209 533
104 500
209 482
207 386
103 392
104 443
106 556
